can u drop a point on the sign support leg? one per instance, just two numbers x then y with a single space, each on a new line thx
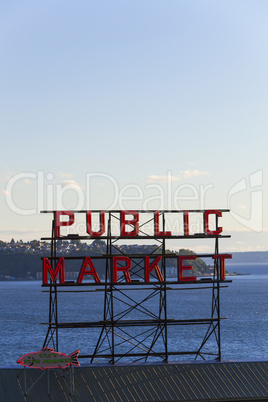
25 382
48 383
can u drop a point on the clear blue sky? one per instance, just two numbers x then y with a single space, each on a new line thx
135 90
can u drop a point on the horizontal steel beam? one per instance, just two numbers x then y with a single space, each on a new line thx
149 237
132 323
159 354
149 211
123 254
136 283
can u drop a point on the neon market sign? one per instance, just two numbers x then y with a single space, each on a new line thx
47 358
131 226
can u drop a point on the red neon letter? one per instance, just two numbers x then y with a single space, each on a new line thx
122 269
186 223
64 223
102 224
88 262
134 222
156 226
206 224
53 274
149 268
183 267
222 258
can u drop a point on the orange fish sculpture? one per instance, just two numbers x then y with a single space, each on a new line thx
47 358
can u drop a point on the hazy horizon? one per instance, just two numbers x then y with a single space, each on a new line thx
135 105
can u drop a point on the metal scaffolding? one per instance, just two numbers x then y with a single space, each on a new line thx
135 324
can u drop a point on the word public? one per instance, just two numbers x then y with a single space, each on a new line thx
133 222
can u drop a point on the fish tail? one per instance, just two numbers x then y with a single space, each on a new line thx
74 358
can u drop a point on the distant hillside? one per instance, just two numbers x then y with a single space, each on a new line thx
250 257
20 262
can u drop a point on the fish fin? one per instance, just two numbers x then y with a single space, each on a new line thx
46 350
74 358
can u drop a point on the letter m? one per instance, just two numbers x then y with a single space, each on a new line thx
47 268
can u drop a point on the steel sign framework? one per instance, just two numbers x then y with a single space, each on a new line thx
136 324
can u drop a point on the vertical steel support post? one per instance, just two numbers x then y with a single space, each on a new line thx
25 381
48 383
218 295
111 298
52 332
54 247
165 290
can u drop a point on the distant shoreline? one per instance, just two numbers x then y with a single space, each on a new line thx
245 263
38 280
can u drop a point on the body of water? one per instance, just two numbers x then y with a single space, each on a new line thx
24 306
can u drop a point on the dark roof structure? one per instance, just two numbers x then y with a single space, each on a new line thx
208 381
